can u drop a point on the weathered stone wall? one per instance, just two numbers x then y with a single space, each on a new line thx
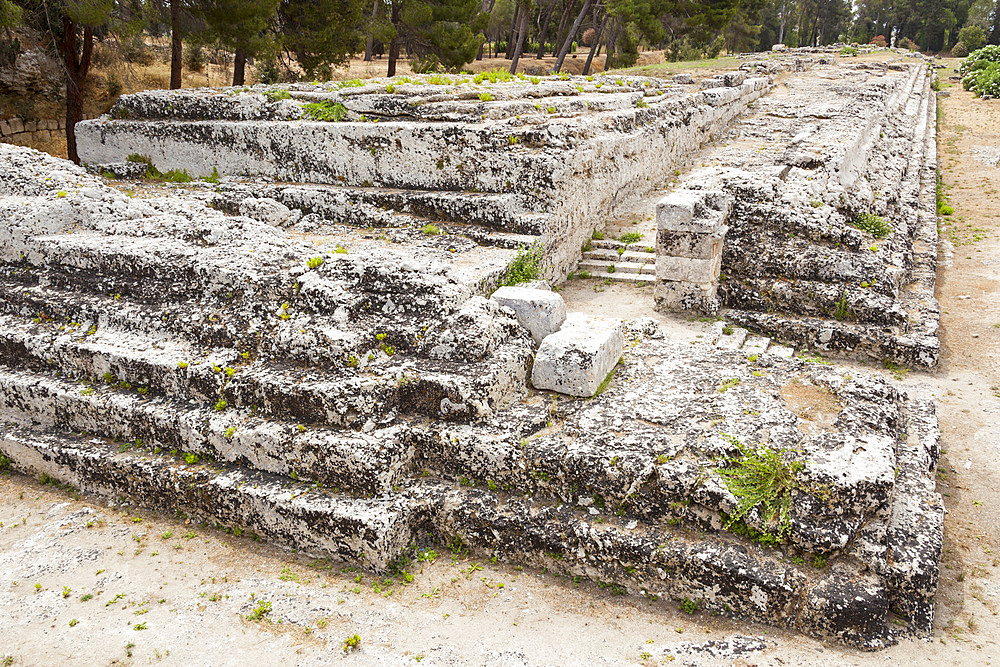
27 132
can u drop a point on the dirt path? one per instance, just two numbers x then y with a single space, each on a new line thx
186 590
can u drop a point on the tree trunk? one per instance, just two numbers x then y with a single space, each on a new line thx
593 45
544 30
995 31
239 67
77 67
394 43
520 41
572 33
176 45
370 44
513 31
563 21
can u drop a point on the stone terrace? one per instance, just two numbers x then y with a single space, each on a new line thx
304 361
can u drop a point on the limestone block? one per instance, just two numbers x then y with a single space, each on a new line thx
699 271
699 211
683 79
687 244
16 125
269 211
675 295
539 311
30 126
578 357
732 79
4 128
719 96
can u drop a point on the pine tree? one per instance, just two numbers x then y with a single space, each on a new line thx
242 26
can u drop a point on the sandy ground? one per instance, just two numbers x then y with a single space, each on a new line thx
87 583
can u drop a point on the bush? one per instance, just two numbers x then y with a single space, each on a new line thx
426 65
879 41
848 51
908 44
588 37
960 50
875 225
194 58
980 71
973 36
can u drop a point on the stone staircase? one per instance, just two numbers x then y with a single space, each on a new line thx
618 261
730 337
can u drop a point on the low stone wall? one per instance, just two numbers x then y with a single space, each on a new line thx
26 132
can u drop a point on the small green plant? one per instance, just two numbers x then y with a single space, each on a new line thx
630 237
314 262
220 405
641 103
688 606
848 51
527 265
352 643
726 385
873 224
760 477
431 229
262 609
4 464
277 95
485 97
324 111
841 311
190 458
177 176
213 177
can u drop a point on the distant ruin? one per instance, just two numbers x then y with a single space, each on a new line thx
307 349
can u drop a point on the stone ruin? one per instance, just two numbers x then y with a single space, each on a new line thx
309 349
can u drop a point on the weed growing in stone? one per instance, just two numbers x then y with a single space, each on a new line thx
276 95
324 111
630 237
527 265
841 311
431 229
213 177
760 477
485 97
688 606
314 262
352 643
875 225
262 609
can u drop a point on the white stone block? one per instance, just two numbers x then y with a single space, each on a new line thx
576 359
539 311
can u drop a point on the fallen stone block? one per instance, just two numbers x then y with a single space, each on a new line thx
576 359
539 311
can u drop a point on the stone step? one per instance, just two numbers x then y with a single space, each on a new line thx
598 268
728 336
611 255
756 345
370 531
833 337
639 246
815 299
511 213
726 576
364 462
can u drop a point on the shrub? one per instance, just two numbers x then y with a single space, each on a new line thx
848 51
983 77
960 50
588 37
879 41
325 110
908 44
527 265
979 59
875 225
759 476
194 57
973 36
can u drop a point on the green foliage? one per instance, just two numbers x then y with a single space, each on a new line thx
213 177
485 97
314 262
277 94
262 609
630 237
177 176
431 229
841 311
240 24
493 76
527 265
848 51
873 224
983 81
760 477
321 33
325 111
4 463
972 36
688 606
352 643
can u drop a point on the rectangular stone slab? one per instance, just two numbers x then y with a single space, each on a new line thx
576 359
